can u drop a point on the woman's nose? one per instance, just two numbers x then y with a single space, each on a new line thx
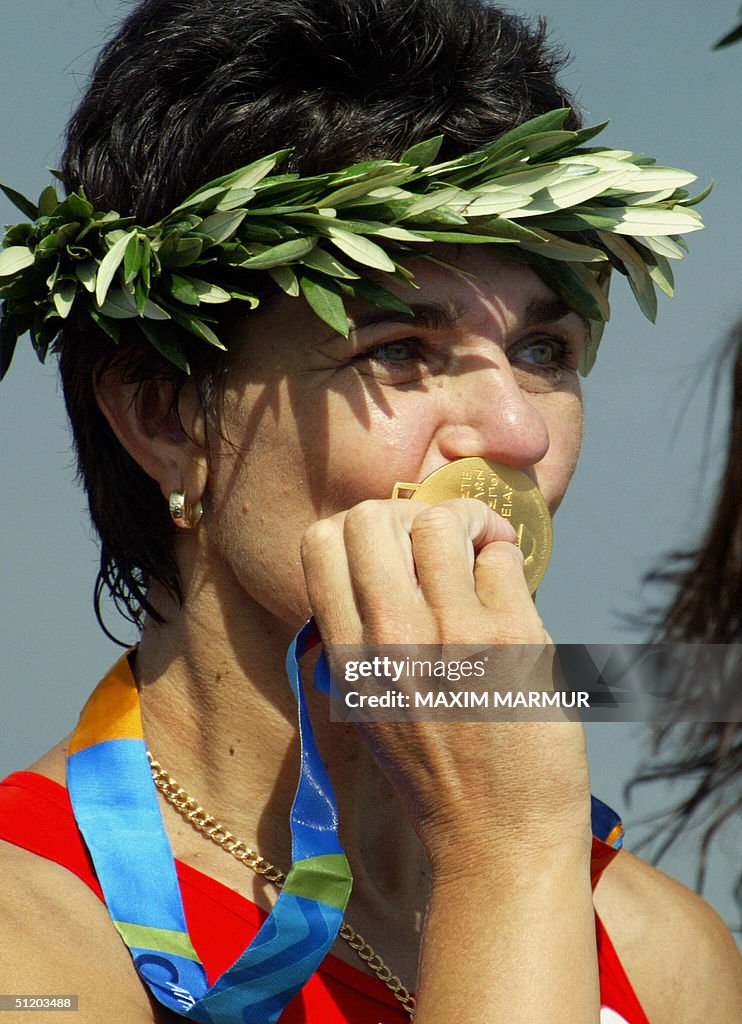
489 415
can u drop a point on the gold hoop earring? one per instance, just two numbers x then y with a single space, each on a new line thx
183 515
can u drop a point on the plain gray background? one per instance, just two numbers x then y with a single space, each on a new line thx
650 463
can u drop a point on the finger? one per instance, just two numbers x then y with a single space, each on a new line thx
328 581
445 540
382 569
483 526
500 584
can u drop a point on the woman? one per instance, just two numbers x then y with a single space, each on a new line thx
278 458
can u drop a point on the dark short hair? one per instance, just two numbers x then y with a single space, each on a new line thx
191 89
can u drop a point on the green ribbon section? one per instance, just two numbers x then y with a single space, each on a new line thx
162 939
323 878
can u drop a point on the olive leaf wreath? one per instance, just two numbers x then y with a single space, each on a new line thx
572 213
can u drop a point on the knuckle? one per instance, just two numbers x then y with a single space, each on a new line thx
317 537
501 554
469 507
364 516
382 626
435 518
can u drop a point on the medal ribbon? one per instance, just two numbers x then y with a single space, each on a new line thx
116 809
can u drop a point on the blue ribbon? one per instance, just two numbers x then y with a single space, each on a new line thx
116 808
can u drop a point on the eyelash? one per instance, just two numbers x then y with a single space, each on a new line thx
370 353
563 355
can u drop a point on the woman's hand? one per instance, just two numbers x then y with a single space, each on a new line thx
502 809
401 572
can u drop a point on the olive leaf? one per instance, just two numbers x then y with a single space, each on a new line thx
326 263
286 280
8 341
64 296
24 205
361 249
167 344
220 227
326 303
14 259
108 267
280 255
422 154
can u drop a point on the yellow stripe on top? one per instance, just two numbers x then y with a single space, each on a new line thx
112 711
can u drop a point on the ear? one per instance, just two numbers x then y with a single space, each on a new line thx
166 438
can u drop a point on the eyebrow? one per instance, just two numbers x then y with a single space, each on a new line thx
549 311
437 316
434 315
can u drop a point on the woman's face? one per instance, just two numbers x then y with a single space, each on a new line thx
317 423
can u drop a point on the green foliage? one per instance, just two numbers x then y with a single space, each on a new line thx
573 212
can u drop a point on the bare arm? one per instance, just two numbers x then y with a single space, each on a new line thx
502 809
516 946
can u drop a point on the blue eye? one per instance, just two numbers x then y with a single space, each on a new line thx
392 351
400 361
543 352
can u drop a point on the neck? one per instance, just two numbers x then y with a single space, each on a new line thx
219 714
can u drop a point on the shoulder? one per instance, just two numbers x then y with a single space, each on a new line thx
55 938
671 944
55 934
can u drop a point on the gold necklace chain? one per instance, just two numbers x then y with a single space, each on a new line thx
208 826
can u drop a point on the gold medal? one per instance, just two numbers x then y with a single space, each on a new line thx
508 491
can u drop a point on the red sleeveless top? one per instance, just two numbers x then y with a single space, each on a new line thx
36 814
